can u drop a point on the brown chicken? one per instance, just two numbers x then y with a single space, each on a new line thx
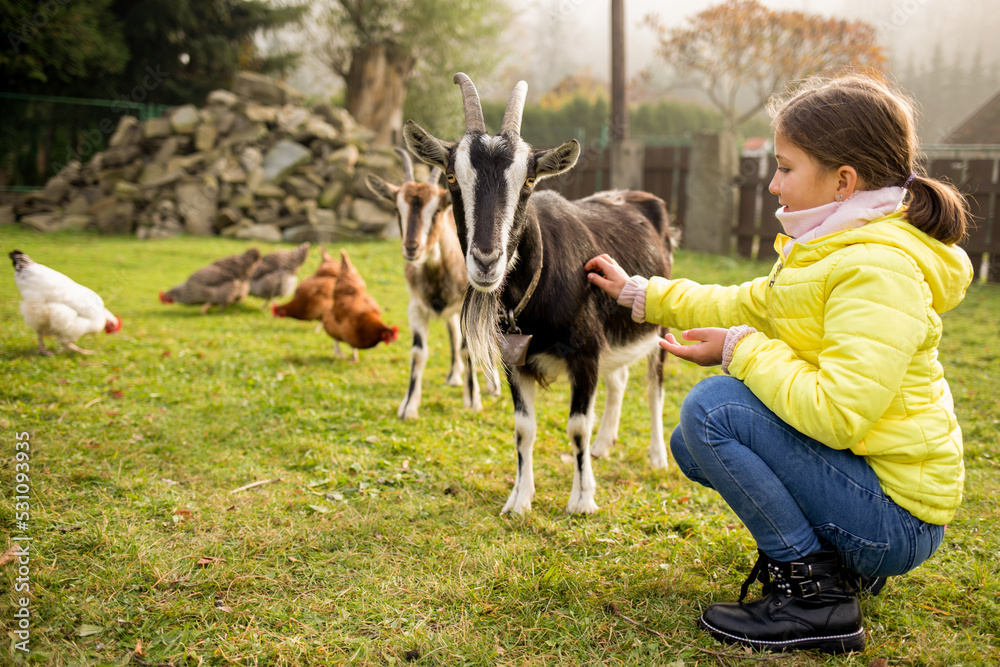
221 283
314 295
274 277
355 318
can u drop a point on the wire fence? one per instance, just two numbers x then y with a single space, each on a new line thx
44 132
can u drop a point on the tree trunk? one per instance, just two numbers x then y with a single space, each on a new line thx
376 89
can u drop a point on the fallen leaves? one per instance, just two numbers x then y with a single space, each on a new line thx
205 561
9 556
256 484
87 630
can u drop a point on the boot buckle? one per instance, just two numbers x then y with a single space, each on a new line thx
799 570
808 589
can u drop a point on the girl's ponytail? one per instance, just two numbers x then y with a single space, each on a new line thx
937 209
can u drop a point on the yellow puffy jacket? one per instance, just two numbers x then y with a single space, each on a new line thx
846 350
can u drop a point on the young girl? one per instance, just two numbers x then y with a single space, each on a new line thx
832 433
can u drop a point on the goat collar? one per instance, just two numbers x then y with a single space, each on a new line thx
510 317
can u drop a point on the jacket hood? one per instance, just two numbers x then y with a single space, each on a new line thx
947 269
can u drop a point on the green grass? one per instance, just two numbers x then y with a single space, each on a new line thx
381 544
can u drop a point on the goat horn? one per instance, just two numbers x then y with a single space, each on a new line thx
435 175
473 109
512 116
407 165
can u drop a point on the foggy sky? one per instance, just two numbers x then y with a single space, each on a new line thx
552 39
908 29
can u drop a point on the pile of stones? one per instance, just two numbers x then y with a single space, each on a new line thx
254 163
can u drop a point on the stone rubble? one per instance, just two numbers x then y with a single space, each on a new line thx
254 163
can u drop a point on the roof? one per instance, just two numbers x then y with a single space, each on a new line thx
982 127
756 143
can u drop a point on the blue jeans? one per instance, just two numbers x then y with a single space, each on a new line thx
792 491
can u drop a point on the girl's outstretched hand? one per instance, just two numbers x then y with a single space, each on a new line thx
605 272
706 352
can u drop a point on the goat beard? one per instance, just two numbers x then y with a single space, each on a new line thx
481 327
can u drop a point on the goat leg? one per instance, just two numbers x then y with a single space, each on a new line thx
457 358
654 392
470 389
582 394
522 391
615 381
410 406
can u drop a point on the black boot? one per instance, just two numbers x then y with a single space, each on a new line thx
806 605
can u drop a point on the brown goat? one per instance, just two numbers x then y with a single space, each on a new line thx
437 278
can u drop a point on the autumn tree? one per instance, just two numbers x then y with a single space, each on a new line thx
378 46
741 53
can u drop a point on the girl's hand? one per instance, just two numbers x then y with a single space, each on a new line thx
707 352
606 274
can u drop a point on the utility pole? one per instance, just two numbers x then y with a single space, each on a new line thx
626 156
619 104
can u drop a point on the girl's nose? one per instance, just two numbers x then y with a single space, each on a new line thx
773 185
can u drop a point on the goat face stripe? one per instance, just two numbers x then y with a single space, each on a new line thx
417 208
491 172
465 175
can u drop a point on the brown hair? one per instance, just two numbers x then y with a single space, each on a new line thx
861 122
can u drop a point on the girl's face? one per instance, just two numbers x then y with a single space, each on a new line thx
799 182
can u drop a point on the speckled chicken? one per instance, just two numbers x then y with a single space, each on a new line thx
221 283
355 317
314 295
275 275
55 305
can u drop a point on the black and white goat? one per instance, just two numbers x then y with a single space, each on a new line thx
525 255
436 275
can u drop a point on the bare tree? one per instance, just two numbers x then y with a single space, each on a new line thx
378 46
741 53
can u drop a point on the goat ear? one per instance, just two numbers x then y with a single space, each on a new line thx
429 149
381 189
553 161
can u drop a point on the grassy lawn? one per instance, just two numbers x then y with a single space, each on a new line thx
377 542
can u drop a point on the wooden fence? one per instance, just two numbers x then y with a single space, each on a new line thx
756 225
976 173
665 172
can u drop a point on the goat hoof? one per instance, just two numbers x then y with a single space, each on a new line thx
582 507
515 506
599 451
405 413
658 459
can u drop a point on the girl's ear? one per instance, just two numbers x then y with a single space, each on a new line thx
847 182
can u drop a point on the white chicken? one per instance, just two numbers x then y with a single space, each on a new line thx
54 305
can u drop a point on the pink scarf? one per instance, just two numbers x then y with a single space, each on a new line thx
859 209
